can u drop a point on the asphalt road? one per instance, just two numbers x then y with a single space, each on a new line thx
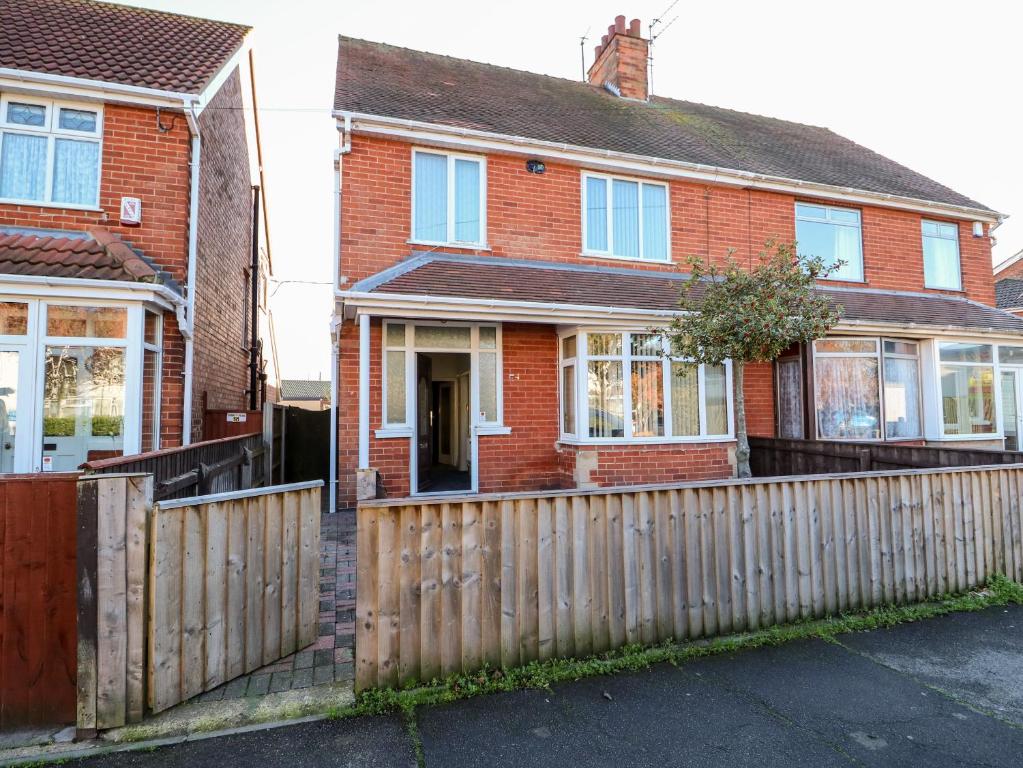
942 692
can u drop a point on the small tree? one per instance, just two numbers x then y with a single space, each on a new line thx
750 316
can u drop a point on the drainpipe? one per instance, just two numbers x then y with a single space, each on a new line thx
335 345
254 305
335 324
193 240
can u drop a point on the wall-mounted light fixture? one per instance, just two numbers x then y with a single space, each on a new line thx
535 166
978 229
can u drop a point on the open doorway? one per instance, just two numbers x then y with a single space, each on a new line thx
443 418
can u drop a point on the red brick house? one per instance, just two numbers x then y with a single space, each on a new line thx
506 240
127 175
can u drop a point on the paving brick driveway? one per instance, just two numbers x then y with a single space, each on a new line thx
329 659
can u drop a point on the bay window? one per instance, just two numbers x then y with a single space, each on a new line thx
49 151
832 234
867 389
448 199
967 389
622 386
624 218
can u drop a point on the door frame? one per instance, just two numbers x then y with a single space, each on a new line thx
1017 374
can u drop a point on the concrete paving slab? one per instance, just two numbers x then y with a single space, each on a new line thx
976 658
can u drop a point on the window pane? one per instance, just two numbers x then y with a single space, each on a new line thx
83 405
844 216
811 211
941 263
13 318
443 337
431 197
858 346
395 387
646 344
26 114
488 337
930 229
568 400
899 347
655 222
23 167
1007 355
965 353
467 201
87 322
75 171
847 398
647 398
77 120
901 398
150 380
596 214
488 386
967 399
625 218
832 243
568 347
714 382
1010 417
395 335
685 400
151 331
604 343
9 363
605 397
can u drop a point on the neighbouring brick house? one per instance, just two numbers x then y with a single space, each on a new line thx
1009 284
506 240
127 183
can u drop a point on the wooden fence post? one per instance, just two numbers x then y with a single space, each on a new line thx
88 503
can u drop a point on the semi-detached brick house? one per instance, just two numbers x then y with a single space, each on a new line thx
506 240
127 167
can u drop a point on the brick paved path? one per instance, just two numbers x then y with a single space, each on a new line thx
329 659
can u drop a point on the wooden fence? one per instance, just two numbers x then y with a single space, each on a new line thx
448 584
772 457
234 586
213 466
37 600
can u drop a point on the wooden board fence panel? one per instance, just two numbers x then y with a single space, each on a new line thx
446 585
234 585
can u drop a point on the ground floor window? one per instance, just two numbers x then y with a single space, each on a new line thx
867 389
623 386
967 389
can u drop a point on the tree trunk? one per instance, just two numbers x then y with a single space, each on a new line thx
742 440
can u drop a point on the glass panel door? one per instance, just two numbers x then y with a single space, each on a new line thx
9 368
1010 409
790 399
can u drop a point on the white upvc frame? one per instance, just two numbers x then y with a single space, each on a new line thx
450 157
879 355
609 180
995 367
52 131
157 348
582 408
959 261
828 220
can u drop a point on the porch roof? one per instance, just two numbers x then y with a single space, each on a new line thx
436 277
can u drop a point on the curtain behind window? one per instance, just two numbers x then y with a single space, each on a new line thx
596 214
431 197
685 400
901 398
941 263
75 171
847 249
23 167
625 218
467 201
847 398
655 222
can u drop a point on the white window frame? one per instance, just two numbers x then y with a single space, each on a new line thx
582 408
995 367
156 348
52 130
861 270
451 241
608 253
958 264
879 355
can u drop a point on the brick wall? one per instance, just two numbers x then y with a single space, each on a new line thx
639 464
224 254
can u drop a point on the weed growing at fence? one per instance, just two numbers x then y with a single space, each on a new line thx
543 674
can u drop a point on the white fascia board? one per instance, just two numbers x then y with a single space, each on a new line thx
925 331
482 141
94 90
34 286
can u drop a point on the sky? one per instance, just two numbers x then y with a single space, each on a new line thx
933 85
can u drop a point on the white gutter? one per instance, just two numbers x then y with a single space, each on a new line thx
335 323
30 285
413 130
98 88
188 330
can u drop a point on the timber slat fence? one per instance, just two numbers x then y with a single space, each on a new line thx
772 457
448 584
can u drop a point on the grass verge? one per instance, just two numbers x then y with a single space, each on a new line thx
542 674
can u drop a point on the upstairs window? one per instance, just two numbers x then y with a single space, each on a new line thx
832 234
49 152
448 199
941 255
625 219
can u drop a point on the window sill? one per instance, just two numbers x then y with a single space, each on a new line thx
965 438
856 280
628 259
493 429
389 432
461 246
645 441
945 289
44 204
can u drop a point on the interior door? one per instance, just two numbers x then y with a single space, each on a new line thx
424 421
1011 414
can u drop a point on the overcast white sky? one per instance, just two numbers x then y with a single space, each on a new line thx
933 85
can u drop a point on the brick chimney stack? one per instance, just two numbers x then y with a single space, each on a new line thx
621 60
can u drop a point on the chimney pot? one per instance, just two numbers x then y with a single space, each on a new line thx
634 28
621 65
603 41
596 51
620 24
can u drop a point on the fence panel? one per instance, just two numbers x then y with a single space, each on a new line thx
234 586
446 584
37 599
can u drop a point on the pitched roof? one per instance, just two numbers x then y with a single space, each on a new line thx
440 275
384 80
96 254
1009 293
115 43
304 389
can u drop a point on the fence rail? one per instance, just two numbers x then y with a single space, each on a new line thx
212 466
772 457
446 585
